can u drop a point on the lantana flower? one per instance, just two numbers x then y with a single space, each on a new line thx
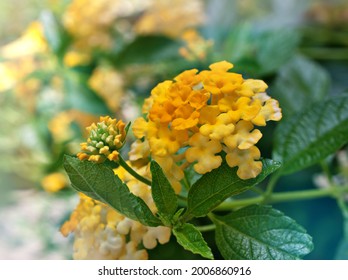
195 117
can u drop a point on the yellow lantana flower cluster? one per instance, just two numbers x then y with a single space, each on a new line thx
192 119
101 233
105 139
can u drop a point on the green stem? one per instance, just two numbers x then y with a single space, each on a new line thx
131 171
342 204
185 182
283 197
181 197
257 190
206 228
271 184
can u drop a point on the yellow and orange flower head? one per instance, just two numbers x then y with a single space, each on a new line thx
192 119
105 139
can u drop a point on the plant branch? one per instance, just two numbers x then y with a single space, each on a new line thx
271 185
333 191
326 53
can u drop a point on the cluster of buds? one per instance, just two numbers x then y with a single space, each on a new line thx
105 139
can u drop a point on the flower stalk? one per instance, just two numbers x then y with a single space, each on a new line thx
131 171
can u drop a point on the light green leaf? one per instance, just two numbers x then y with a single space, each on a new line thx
162 193
192 240
260 233
99 182
312 135
299 84
54 32
214 187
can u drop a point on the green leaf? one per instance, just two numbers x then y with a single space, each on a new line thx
312 135
342 250
299 84
191 239
214 187
274 48
259 53
162 193
260 233
147 50
238 44
99 182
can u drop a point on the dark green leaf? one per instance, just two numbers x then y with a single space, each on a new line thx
80 96
191 239
312 135
260 233
99 182
162 193
214 187
147 49
299 84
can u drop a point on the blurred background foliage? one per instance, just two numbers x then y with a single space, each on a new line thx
63 63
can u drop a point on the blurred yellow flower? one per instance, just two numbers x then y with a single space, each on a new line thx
89 22
13 72
60 128
31 42
170 17
108 83
54 182
75 58
196 47
21 58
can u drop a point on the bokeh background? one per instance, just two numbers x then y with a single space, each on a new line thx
63 63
